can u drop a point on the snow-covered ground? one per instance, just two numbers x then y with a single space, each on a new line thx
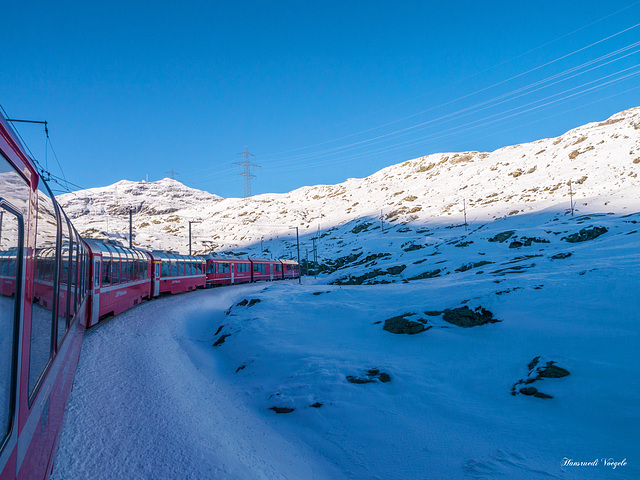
190 386
149 402
154 398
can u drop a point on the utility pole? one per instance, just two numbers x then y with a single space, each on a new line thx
130 227
464 203
190 222
247 171
298 243
571 197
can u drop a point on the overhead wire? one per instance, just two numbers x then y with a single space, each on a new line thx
477 91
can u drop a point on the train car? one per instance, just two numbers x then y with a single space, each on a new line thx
227 271
290 269
265 269
121 278
175 273
43 314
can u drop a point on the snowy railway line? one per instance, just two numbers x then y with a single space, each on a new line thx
148 402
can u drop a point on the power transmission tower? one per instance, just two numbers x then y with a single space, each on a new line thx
247 171
172 174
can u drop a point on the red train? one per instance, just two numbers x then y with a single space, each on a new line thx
54 285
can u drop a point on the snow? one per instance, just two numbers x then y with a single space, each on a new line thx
154 398
148 402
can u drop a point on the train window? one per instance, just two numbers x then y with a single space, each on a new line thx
74 274
44 293
223 268
106 269
210 268
65 294
115 270
10 255
174 268
166 268
259 267
278 268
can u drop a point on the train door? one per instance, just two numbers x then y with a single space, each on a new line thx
271 268
156 279
95 290
232 267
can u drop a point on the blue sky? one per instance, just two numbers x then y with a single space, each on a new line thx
317 91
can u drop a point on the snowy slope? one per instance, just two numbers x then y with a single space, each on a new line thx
601 160
192 384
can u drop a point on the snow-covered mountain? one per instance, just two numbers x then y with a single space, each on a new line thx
597 163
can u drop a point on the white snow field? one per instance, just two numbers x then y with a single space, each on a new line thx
282 381
149 403
153 398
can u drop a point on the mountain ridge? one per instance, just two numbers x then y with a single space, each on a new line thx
596 165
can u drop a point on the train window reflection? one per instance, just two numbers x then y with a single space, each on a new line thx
43 300
9 251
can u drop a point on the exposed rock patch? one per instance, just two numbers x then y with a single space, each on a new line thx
282 409
538 371
373 375
586 234
221 340
402 325
466 318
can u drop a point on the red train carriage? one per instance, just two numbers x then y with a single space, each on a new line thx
121 278
265 269
227 271
290 269
42 315
174 273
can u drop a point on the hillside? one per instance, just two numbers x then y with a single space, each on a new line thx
601 161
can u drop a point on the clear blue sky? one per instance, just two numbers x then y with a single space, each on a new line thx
317 91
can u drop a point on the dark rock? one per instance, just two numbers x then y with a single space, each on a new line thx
221 340
463 244
241 367
533 363
528 390
282 409
433 313
430 274
400 325
218 331
553 371
384 377
561 256
586 234
316 405
359 380
413 247
516 244
253 302
378 322
242 303
502 237
469 266
465 317
541 395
